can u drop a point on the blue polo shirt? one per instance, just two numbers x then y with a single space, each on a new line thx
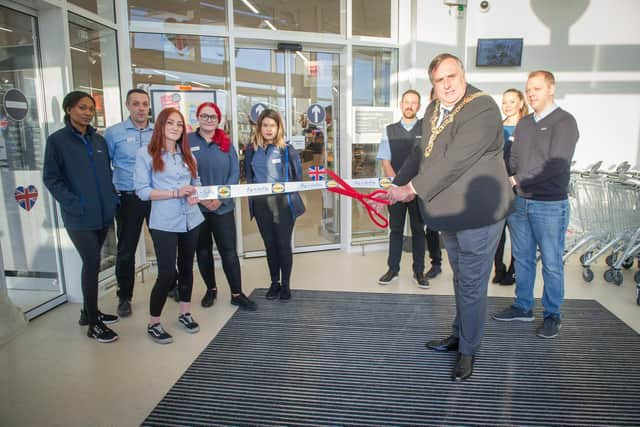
215 167
123 140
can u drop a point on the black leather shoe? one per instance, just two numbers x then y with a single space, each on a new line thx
434 271
463 368
209 297
450 343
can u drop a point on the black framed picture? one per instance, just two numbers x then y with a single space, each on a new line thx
499 53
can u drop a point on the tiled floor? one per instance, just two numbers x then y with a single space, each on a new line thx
52 375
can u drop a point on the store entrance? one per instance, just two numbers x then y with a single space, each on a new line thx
304 86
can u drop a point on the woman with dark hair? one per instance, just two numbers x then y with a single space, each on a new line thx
270 159
77 173
217 165
166 173
514 108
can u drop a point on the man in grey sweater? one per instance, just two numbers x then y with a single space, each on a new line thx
541 153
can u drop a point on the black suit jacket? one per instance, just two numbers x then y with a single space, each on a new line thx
463 184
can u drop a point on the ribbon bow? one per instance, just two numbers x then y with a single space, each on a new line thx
366 199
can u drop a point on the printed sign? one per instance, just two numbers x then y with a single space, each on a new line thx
15 104
316 114
256 110
26 196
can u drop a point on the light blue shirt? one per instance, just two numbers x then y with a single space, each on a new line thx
384 151
123 140
173 215
545 113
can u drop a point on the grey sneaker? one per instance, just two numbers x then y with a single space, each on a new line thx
388 277
513 313
550 327
158 334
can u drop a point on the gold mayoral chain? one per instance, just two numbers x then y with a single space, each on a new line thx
436 131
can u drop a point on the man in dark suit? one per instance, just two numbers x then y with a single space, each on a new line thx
461 181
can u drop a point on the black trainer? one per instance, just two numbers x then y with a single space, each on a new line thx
101 333
188 324
242 301
274 291
285 293
434 271
107 319
388 277
158 334
209 297
124 308
421 280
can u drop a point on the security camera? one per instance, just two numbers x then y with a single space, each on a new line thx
484 6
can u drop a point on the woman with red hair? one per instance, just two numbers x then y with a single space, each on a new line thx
217 165
166 173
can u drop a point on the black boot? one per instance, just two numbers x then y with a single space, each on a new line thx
274 291
501 272
509 277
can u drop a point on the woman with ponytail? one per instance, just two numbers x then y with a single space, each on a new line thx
166 173
217 165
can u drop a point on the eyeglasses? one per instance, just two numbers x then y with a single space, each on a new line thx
208 118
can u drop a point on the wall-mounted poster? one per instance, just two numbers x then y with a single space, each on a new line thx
186 101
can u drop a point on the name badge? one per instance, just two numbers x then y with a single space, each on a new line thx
275 161
131 139
511 138
196 148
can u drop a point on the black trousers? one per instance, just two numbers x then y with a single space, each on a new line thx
89 243
169 247
223 230
397 215
498 258
129 218
275 223
433 244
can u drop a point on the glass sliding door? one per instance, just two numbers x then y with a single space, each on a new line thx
27 227
292 82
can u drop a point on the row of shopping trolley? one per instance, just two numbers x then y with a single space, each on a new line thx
605 221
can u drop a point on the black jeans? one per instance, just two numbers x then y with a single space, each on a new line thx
169 246
498 258
223 229
129 218
89 244
397 215
275 223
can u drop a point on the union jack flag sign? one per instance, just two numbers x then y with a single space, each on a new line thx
26 197
317 173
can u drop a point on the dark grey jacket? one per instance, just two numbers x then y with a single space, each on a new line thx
463 184
77 172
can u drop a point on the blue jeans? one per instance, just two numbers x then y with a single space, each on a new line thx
538 224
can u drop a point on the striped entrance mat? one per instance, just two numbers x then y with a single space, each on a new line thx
347 358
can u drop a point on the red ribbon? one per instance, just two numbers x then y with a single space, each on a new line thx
366 199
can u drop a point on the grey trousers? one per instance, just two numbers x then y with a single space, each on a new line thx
471 257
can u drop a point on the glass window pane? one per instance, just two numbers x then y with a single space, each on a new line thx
314 16
94 64
168 64
27 222
371 18
372 71
103 8
210 12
